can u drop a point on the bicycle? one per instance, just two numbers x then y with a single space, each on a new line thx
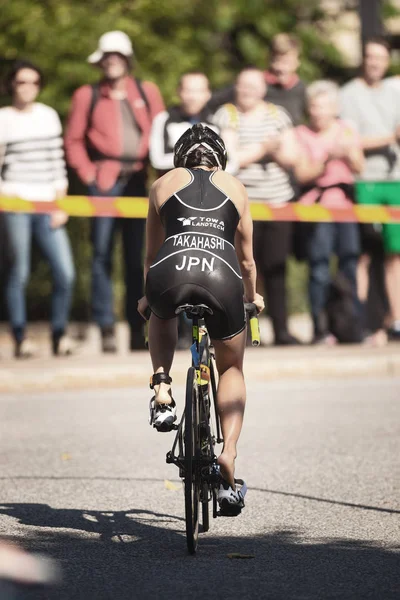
193 448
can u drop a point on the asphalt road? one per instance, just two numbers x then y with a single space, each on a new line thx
83 479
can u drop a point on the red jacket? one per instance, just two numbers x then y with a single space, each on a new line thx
104 133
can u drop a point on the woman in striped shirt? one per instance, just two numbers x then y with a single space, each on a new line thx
32 168
252 129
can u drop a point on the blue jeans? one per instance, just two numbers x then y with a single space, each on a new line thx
103 240
326 239
54 243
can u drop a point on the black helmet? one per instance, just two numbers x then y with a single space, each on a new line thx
200 136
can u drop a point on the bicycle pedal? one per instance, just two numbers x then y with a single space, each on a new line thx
229 513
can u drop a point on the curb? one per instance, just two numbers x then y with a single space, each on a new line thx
264 364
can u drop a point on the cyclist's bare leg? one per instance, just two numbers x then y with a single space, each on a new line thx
163 336
231 399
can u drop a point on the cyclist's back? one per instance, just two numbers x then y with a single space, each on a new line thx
197 261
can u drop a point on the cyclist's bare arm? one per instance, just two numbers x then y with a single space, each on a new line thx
244 249
154 231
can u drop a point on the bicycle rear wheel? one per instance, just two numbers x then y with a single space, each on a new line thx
192 455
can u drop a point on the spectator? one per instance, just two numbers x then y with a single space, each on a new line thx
284 87
326 155
33 168
168 126
107 143
252 128
373 105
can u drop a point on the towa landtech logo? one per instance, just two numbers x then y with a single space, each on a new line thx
186 221
202 222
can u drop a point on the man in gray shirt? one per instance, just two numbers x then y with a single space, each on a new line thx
373 105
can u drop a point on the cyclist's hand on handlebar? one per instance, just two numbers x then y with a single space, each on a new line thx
142 307
258 301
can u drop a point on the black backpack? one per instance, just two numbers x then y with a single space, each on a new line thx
340 310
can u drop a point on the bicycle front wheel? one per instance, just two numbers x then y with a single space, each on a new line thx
192 471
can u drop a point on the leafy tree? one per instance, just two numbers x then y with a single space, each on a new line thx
169 37
218 37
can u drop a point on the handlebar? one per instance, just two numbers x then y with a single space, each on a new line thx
251 310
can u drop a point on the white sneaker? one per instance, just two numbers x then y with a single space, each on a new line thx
231 501
162 416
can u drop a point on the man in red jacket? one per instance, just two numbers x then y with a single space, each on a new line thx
107 143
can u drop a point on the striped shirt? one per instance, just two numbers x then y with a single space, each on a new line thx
32 163
263 180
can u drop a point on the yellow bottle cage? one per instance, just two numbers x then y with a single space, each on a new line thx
205 373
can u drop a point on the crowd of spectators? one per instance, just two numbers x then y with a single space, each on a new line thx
286 142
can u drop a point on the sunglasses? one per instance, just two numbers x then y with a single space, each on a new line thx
24 82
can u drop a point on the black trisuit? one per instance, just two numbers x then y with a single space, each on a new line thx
197 262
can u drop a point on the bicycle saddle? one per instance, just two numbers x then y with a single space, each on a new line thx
194 310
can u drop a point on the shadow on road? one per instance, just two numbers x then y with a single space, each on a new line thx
254 489
139 554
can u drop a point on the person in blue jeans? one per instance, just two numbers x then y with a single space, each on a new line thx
103 234
55 246
32 168
326 239
107 145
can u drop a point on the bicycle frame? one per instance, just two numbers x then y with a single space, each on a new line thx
201 347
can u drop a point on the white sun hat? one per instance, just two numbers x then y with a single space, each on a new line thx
112 41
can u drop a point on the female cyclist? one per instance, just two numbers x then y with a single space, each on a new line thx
199 249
